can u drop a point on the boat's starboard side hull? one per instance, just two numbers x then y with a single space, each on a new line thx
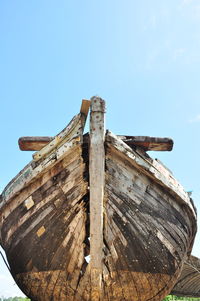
44 229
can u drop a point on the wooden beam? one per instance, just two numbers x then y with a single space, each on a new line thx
96 170
33 143
147 143
85 106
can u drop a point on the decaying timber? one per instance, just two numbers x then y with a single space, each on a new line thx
146 143
103 197
188 283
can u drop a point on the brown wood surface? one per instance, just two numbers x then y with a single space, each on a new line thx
85 106
147 143
145 227
33 143
188 284
44 231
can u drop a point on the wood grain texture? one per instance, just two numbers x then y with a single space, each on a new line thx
85 107
145 142
33 143
50 235
146 228
148 143
96 171
188 283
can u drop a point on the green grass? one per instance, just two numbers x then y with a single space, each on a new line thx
170 298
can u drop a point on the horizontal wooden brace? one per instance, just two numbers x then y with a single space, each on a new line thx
147 143
33 143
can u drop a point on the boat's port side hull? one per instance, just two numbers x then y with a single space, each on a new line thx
147 230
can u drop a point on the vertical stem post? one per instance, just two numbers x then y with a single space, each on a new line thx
96 169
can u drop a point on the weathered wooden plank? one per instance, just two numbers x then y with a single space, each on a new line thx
65 229
96 169
85 106
74 128
148 143
33 143
68 163
133 187
29 173
145 142
144 222
151 168
177 224
43 197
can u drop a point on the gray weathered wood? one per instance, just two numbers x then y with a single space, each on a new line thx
96 169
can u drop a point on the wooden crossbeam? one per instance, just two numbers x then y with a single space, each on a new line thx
33 143
147 143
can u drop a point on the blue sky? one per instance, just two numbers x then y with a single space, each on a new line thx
142 57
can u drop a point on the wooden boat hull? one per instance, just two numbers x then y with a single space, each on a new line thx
188 283
146 226
149 224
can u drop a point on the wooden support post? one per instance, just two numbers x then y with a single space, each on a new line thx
96 169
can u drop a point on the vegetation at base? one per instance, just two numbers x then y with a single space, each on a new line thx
14 299
171 298
168 298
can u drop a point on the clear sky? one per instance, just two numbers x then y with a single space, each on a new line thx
142 57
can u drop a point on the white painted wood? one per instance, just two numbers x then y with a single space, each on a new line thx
96 169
